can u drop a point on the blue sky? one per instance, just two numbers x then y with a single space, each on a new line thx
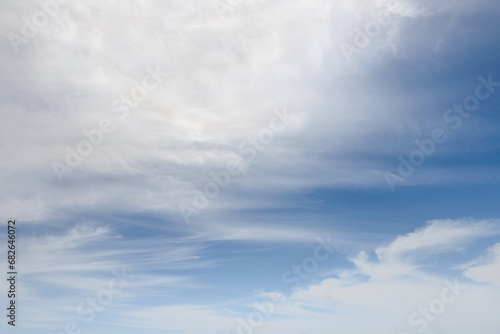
249 166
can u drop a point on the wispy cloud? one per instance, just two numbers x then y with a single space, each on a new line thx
224 77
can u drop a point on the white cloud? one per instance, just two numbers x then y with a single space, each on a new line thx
396 289
369 295
486 269
227 73
437 237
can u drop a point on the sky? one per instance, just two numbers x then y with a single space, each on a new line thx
248 166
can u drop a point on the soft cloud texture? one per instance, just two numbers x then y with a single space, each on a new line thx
220 79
